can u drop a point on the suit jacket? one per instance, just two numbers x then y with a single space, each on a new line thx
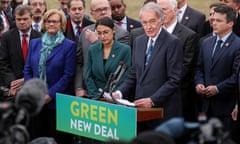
60 67
82 50
189 39
69 33
132 24
98 72
134 34
194 20
221 71
11 58
236 25
160 79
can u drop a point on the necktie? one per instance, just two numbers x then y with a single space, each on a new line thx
36 27
217 48
149 52
179 15
119 23
78 31
24 46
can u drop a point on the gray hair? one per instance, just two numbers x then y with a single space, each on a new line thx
173 3
154 7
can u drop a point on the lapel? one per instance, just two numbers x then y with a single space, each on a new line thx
17 39
177 30
56 50
186 16
221 52
111 59
98 50
158 44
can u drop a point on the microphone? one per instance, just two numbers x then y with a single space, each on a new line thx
31 97
120 65
115 82
123 69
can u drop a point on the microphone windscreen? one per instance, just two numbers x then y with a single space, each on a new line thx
32 96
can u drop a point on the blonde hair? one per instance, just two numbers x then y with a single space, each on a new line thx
51 12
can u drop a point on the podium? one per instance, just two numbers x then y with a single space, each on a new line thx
145 114
99 119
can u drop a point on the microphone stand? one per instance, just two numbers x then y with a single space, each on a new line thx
115 82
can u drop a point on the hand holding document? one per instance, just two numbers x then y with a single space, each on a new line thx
120 101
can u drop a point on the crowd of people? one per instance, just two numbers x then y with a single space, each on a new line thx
176 58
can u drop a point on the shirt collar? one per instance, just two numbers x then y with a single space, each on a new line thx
171 28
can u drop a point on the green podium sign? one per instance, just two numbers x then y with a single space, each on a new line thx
95 119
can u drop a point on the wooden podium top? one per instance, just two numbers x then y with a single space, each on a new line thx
145 114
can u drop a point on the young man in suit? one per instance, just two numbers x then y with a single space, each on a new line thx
98 10
76 21
189 39
119 16
190 17
156 68
12 58
216 78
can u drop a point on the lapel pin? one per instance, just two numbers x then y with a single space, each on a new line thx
113 55
131 26
186 18
227 44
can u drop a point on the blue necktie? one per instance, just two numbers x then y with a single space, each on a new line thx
36 27
77 32
217 48
149 52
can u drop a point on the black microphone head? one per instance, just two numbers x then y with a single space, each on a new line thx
31 97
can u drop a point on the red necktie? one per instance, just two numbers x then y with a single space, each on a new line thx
24 46
119 23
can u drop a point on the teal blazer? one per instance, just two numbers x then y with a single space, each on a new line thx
97 73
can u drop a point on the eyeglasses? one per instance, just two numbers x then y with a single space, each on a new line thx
52 21
99 10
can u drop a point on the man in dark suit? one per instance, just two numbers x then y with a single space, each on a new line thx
12 55
6 16
76 21
190 17
156 68
99 9
189 39
38 9
217 64
119 16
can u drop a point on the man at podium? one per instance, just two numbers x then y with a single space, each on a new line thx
156 69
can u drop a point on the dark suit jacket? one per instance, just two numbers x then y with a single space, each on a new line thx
132 24
189 39
97 72
60 67
69 33
82 50
11 58
236 26
160 79
134 34
220 72
194 20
